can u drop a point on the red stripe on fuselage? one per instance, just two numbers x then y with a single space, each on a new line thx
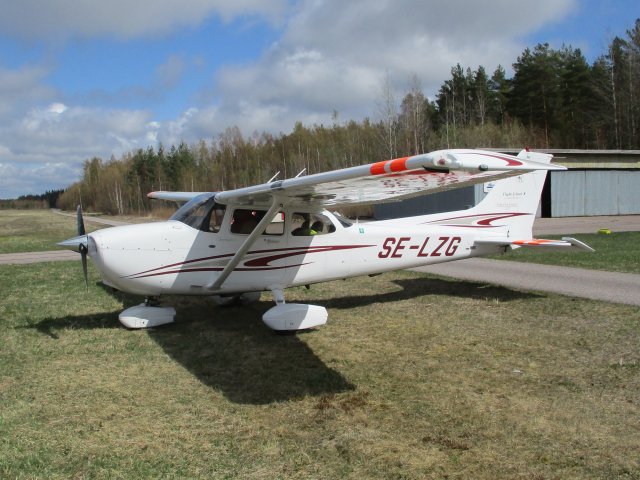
484 221
256 264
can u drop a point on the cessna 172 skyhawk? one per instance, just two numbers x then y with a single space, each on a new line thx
238 243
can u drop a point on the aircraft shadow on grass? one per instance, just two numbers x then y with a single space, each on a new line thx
424 286
228 349
231 350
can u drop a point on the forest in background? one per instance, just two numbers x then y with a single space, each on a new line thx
554 99
49 199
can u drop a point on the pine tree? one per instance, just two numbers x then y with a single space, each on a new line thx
499 94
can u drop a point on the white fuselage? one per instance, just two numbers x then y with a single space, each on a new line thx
173 258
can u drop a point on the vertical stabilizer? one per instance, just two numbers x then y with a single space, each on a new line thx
514 201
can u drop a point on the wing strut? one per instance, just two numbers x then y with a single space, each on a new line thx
251 239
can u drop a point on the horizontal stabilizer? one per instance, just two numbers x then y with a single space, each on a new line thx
566 243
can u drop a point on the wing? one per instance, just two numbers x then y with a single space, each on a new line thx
567 243
391 180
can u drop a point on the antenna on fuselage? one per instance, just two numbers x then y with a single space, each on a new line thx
274 177
301 172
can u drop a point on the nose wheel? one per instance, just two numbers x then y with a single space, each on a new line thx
147 315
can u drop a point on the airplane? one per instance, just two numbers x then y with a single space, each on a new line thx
233 245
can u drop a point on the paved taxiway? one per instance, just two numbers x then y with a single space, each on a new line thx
575 282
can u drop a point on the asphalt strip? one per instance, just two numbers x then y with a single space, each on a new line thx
576 282
36 257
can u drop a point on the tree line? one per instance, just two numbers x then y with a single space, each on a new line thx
49 199
554 99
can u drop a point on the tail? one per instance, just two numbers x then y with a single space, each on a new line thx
508 210
513 202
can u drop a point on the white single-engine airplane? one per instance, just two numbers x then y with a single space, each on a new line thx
236 244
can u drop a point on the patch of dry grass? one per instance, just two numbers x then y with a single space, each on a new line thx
413 377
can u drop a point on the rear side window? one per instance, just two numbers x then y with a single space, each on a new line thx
244 221
307 224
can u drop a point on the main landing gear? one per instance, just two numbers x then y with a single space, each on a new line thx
284 317
236 300
293 316
147 315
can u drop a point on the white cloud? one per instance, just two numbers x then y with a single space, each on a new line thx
43 141
57 108
61 19
331 55
22 88
170 72
334 55
36 178
73 135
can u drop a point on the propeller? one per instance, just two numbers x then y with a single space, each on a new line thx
79 244
82 247
80 221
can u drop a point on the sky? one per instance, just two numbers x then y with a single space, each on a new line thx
80 79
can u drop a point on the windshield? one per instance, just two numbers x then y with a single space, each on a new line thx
196 212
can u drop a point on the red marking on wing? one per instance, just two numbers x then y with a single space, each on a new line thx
399 164
388 166
533 241
378 168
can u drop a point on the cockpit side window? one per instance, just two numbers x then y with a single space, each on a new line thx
201 213
216 217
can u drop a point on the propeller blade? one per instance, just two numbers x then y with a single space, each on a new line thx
80 221
83 255
79 244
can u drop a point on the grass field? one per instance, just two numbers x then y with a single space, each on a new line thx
40 230
413 377
35 230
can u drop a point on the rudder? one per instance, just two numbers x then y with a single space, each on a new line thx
516 197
